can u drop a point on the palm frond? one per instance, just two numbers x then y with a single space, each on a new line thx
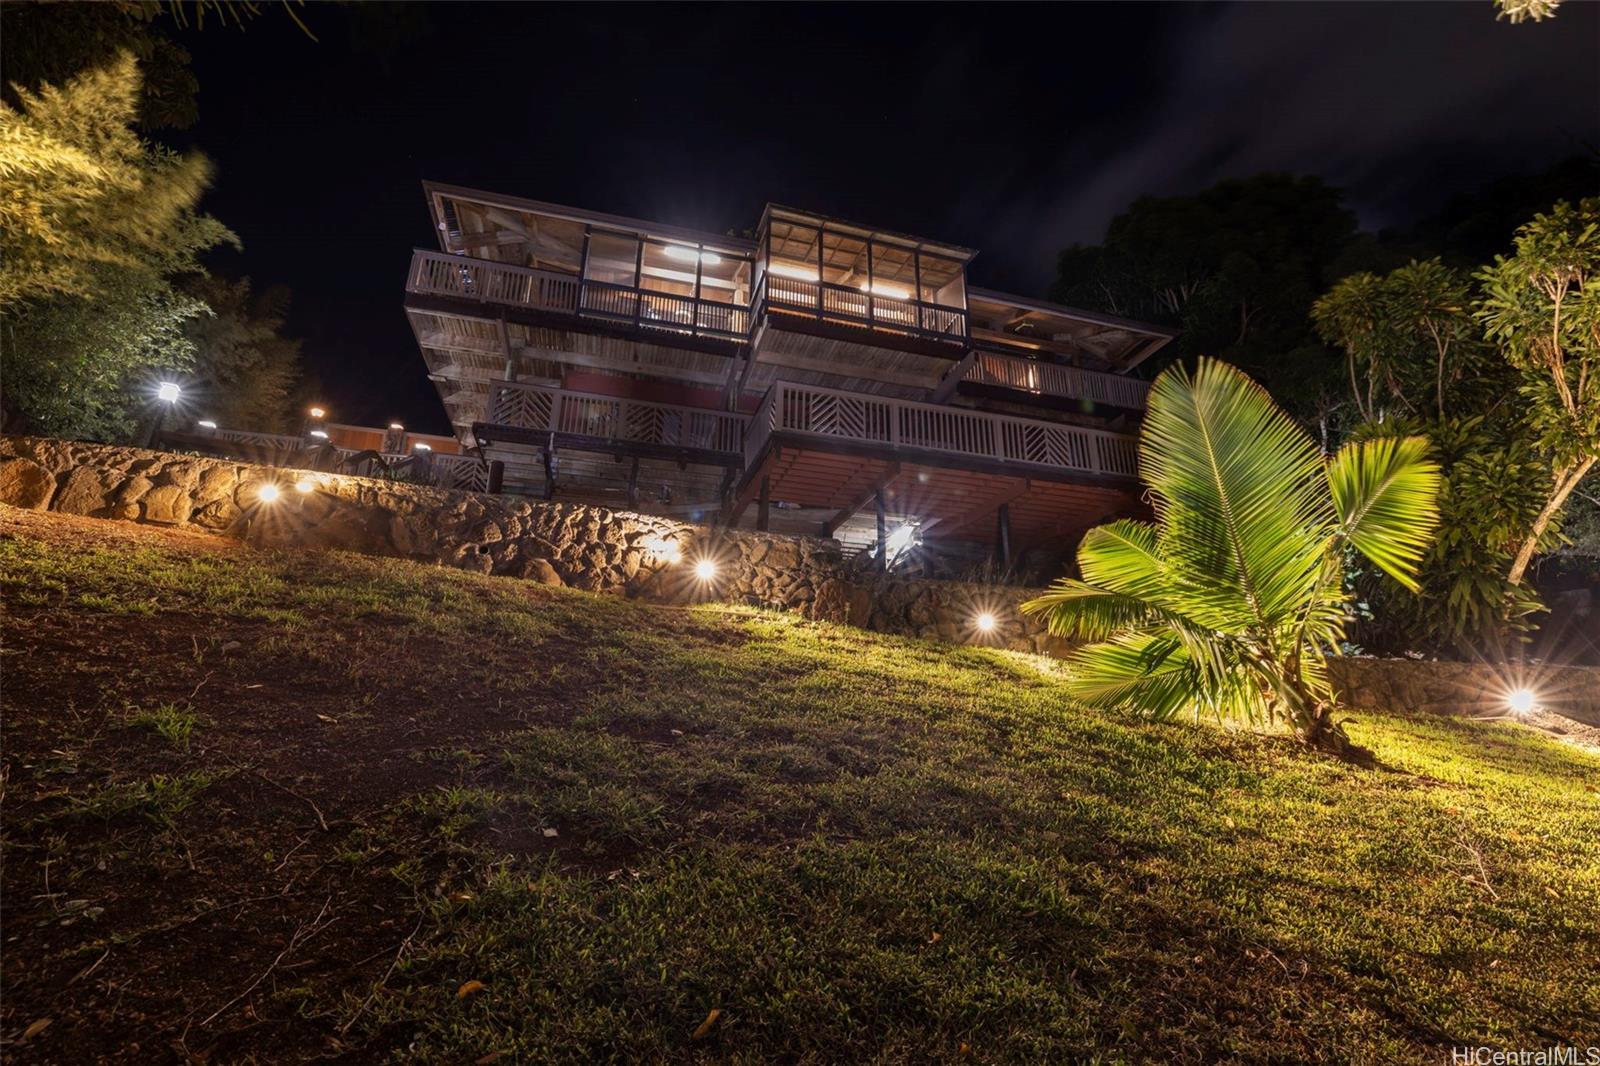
1121 557
1239 497
1385 492
1077 609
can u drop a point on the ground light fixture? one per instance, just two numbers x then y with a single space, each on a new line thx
705 569
267 493
304 485
985 622
1521 701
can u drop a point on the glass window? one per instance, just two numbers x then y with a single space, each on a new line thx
613 258
670 267
943 280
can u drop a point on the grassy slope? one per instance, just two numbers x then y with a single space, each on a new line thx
856 848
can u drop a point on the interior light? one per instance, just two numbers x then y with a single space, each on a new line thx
304 485
1521 701
267 493
883 288
985 622
799 273
319 433
168 391
317 412
705 570
685 254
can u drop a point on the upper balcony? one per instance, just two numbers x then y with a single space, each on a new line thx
1052 382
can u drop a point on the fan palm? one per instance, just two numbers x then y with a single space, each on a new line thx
1230 601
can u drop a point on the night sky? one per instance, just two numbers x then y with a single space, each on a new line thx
1014 130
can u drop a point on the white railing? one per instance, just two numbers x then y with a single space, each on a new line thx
1050 379
614 418
437 274
869 310
809 410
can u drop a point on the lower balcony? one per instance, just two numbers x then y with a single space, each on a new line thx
549 417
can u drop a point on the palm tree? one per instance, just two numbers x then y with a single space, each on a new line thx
1230 601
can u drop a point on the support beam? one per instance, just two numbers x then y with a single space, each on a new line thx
883 533
863 498
952 379
764 504
497 477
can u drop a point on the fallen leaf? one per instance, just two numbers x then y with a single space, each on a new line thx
935 938
705 1026
44 1023
484 1060
551 833
461 897
327 718
1229 823
469 987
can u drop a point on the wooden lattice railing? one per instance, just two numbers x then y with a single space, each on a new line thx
812 411
613 418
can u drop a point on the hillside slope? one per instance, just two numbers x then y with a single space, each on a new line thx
281 806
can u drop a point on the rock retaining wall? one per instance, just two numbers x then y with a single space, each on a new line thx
584 547
1479 689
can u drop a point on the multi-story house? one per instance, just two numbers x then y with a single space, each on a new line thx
823 377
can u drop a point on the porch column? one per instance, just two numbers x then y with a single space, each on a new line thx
1002 534
883 532
764 504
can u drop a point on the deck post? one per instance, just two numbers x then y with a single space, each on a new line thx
550 472
764 504
633 484
1002 534
497 477
883 532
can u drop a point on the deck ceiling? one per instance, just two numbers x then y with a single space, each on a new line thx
944 502
1032 326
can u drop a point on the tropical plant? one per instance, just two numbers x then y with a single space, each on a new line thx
1542 308
1230 600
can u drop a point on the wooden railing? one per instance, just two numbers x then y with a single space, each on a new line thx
852 307
464 472
1051 379
261 440
613 418
437 274
813 411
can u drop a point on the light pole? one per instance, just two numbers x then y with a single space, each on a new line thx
168 393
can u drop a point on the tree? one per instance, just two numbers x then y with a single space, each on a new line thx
1230 601
1542 307
94 228
1236 267
245 371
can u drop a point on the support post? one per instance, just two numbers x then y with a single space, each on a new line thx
633 484
883 532
497 477
1002 534
550 473
764 504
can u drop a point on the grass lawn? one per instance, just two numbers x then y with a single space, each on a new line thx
272 807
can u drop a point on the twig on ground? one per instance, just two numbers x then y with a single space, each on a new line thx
323 822
302 933
378 987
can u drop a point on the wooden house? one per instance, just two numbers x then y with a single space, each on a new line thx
820 376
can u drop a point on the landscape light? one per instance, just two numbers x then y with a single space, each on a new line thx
168 391
985 622
319 433
206 423
705 570
317 412
662 548
267 493
900 540
304 485
1521 701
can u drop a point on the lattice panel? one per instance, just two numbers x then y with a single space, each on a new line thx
521 407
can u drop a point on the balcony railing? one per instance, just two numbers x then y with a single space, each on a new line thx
848 306
615 419
1027 442
1050 379
437 274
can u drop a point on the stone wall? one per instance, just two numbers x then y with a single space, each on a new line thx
1478 689
584 547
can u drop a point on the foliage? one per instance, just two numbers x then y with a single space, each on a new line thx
244 369
1516 11
1229 602
95 227
1541 308
1236 267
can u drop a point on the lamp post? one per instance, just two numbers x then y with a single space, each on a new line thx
168 393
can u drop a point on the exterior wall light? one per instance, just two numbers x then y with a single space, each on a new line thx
168 391
396 426
421 447
1521 701
317 412
206 423
319 434
267 493
705 569
985 622
304 485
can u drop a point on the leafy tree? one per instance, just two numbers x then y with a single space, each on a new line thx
1541 306
95 226
245 371
1236 267
1231 599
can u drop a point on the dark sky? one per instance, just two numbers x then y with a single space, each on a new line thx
1012 129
